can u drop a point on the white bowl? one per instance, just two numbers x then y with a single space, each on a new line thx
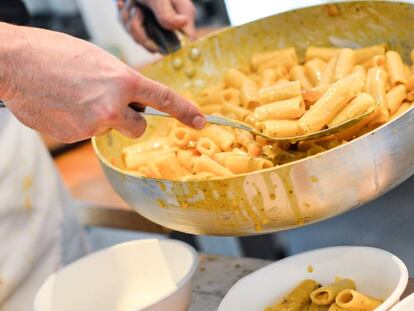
150 275
407 304
376 273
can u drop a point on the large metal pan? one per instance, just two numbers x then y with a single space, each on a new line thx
290 195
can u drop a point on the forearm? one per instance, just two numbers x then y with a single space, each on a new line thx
10 36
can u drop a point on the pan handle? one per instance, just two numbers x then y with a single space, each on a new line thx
167 40
2 105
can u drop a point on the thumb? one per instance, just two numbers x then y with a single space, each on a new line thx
131 123
162 98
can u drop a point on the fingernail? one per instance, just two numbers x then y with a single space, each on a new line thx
199 122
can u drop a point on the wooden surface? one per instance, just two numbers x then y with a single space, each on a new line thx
217 274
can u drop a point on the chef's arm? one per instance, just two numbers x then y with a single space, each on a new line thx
72 90
171 14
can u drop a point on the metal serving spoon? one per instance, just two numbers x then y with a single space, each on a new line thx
246 127
293 139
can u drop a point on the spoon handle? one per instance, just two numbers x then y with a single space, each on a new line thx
209 118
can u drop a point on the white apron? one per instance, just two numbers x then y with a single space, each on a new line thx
38 229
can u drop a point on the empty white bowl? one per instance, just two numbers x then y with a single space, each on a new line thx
376 273
150 275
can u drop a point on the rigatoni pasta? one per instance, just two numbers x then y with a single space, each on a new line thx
282 97
352 300
341 295
344 63
328 106
292 108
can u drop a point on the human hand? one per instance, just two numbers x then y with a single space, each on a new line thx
72 90
171 14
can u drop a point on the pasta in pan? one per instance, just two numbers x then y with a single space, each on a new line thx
283 98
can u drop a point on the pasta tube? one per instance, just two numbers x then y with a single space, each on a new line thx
395 68
204 163
352 300
395 97
407 70
328 74
297 298
206 146
292 108
239 112
376 85
312 95
363 54
284 57
224 138
211 109
314 69
152 144
169 167
360 69
325 295
241 163
359 105
269 76
410 83
182 136
244 138
323 53
231 96
213 97
282 81
279 92
298 73
234 78
403 108
149 170
249 94
134 160
328 106
375 61
346 60
185 158
281 128
248 89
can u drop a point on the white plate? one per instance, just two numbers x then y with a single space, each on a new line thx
148 275
407 304
376 272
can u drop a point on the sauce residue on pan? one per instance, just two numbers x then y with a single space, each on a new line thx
223 197
234 202
293 200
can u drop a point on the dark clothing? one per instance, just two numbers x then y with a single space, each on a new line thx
13 11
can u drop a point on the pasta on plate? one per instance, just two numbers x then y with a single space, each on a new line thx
282 98
341 295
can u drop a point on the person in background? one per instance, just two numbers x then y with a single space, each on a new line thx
70 89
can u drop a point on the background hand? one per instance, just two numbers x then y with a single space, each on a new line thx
171 14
